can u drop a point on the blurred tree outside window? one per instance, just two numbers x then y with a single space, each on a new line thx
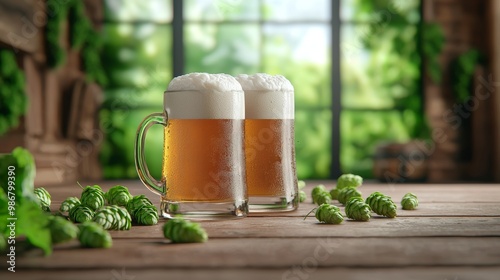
379 70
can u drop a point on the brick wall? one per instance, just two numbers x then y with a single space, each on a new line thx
462 134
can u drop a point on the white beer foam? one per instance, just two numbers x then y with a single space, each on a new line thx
267 96
205 96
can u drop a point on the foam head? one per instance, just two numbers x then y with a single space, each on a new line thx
204 96
267 96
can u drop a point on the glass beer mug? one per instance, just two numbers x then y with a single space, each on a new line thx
269 143
203 174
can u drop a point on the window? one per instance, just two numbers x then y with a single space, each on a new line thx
381 78
288 37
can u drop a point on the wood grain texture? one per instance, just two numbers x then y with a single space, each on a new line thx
123 273
454 234
278 252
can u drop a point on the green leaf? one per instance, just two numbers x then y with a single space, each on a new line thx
33 223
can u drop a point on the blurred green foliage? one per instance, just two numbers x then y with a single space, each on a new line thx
380 71
13 100
380 79
462 74
138 67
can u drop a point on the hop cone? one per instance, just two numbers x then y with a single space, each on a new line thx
181 231
136 202
357 209
43 199
409 201
69 203
322 198
301 184
347 193
92 197
61 230
113 217
316 190
80 214
118 195
329 214
334 193
125 220
302 196
146 215
349 180
382 204
94 236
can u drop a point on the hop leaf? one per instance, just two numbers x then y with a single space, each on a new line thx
349 180
347 193
409 201
92 197
113 217
329 214
357 209
80 214
302 196
181 231
146 215
382 204
69 203
118 195
61 230
94 236
43 199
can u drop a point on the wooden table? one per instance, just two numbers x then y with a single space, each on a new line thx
454 235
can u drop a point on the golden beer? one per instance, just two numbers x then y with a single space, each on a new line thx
270 160
202 160
203 172
269 143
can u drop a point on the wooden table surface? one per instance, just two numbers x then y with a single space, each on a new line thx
453 235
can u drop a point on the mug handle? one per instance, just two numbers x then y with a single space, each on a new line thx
151 183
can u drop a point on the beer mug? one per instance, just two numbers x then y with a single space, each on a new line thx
269 143
203 174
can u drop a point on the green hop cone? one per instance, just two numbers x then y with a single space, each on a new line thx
62 230
322 198
382 204
80 214
329 214
124 218
69 203
146 215
113 217
301 184
357 209
409 201
316 190
118 195
347 193
92 235
43 199
349 180
302 196
334 193
179 230
92 197
136 202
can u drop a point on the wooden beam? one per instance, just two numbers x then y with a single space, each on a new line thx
495 67
22 23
